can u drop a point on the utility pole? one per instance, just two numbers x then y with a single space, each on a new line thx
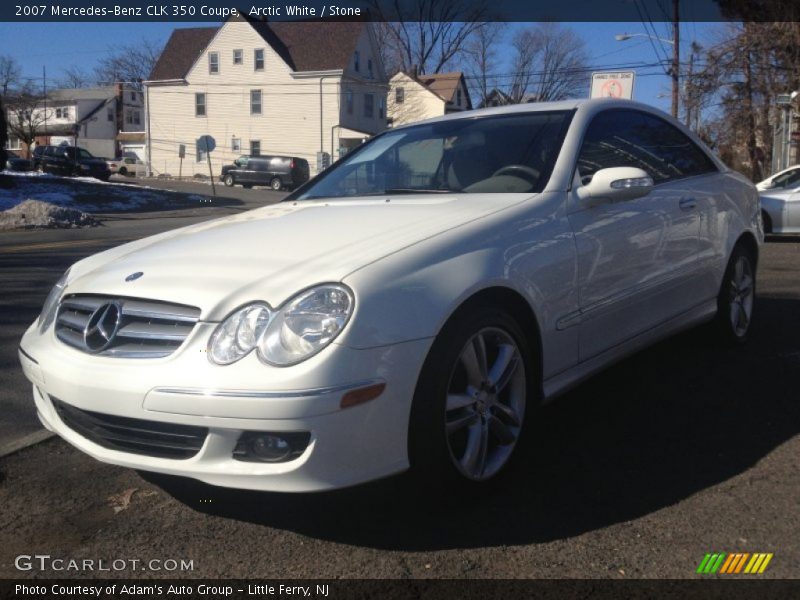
44 93
676 56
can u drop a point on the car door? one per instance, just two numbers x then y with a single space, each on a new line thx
793 209
637 259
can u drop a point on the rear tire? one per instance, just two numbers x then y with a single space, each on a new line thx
123 171
276 184
737 297
471 400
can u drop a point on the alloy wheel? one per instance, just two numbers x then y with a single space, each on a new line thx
741 296
485 403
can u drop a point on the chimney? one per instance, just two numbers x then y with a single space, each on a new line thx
415 71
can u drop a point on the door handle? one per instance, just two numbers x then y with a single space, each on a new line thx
687 203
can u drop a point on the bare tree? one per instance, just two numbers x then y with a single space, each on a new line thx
10 73
549 63
481 60
131 63
428 35
75 77
750 64
26 114
3 135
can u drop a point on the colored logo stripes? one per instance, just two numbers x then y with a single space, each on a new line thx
734 563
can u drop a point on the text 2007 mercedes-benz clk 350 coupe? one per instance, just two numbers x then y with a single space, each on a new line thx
408 307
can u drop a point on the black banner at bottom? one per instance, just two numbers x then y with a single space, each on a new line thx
716 588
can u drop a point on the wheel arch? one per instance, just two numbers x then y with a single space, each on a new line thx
748 241
519 308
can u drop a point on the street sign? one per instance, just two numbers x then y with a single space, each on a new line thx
617 84
206 143
181 150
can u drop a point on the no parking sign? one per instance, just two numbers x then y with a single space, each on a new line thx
618 84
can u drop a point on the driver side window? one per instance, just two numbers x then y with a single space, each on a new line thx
629 138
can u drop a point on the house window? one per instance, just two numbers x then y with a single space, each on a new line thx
199 105
369 68
133 96
132 117
369 108
13 142
349 102
399 95
213 62
258 57
58 113
458 96
255 102
236 144
357 61
62 113
382 108
110 114
255 147
238 57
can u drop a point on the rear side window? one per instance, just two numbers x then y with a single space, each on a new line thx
627 138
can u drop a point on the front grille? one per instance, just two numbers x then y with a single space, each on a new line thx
144 328
150 438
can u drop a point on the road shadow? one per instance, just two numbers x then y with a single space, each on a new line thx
655 429
784 238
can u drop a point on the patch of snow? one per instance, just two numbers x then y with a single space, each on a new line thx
32 214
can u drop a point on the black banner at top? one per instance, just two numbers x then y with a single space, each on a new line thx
395 10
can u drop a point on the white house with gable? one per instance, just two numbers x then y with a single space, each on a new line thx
261 88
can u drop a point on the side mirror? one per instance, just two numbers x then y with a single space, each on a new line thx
616 184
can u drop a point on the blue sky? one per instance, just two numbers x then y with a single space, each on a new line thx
60 45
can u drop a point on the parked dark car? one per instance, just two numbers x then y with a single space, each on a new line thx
73 162
277 172
14 162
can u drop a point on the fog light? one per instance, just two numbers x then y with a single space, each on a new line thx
256 446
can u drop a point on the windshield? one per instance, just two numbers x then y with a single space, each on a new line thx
500 154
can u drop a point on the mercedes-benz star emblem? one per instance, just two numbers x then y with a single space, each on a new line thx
102 327
134 276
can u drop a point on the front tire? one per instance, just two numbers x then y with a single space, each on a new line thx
471 399
737 297
229 181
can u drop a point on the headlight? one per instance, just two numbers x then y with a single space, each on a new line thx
51 303
301 328
236 337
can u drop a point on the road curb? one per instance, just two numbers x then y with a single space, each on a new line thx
25 442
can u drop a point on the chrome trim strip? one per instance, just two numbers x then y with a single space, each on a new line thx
28 356
268 394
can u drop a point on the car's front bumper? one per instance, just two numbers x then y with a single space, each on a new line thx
347 445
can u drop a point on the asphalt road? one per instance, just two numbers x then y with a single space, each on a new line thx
687 448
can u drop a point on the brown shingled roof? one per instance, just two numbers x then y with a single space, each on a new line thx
443 85
181 52
312 46
304 46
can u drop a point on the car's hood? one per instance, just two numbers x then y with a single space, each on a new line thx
271 253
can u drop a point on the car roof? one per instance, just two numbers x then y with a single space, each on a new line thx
588 104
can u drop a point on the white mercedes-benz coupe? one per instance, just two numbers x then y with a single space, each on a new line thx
407 308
